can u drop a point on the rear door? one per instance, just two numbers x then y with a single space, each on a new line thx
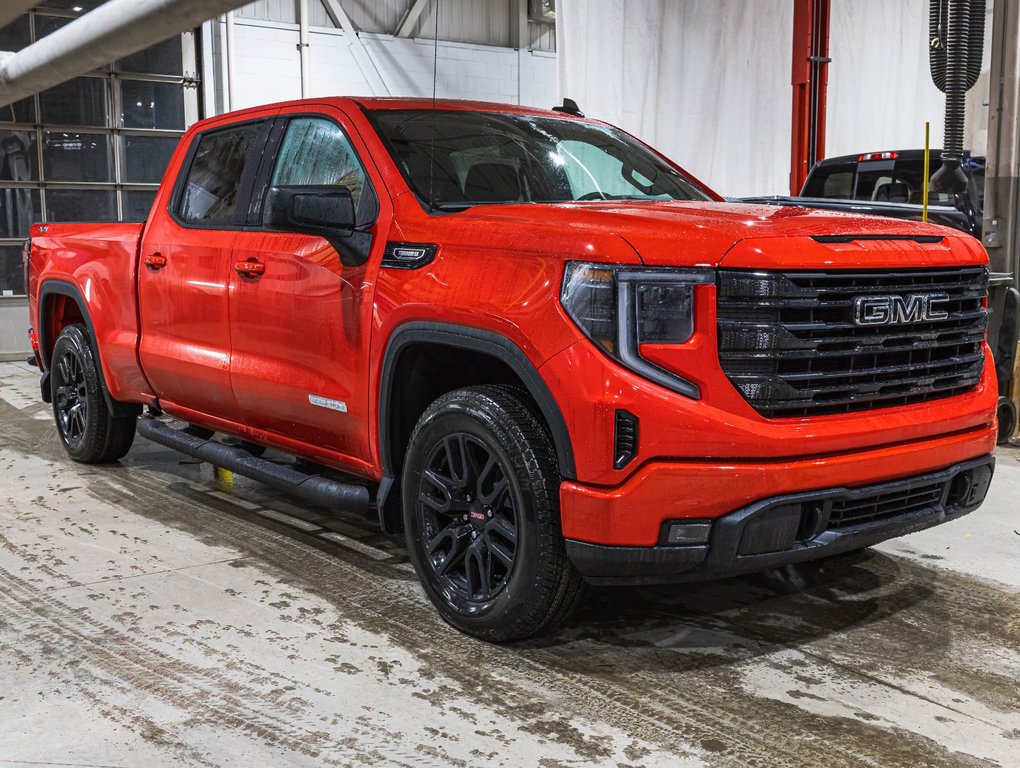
301 325
183 279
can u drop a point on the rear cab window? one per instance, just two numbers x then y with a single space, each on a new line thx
882 181
219 176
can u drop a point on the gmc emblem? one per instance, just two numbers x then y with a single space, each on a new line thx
893 310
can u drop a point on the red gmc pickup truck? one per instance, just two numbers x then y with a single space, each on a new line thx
530 341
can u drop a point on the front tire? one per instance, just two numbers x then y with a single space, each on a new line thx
89 432
481 516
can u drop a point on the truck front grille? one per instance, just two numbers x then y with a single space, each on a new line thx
791 344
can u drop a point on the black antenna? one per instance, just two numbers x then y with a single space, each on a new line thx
570 108
435 77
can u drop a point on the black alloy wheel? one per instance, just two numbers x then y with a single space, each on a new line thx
480 491
88 430
468 517
70 397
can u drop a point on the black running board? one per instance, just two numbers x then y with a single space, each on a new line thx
344 497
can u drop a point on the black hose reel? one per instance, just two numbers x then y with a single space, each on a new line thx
955 46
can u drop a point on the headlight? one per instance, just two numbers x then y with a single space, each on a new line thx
621 307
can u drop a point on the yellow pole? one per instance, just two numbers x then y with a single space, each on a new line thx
927 163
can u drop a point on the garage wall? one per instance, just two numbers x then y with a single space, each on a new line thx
485 22
880 90
708 81
268 67
705 81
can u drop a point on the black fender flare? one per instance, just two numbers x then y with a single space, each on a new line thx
71 291
476 340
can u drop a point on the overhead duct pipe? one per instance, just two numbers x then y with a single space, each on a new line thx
956 41
12 9
112 31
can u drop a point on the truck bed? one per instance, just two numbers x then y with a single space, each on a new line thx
100 262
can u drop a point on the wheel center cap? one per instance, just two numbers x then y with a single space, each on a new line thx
477 516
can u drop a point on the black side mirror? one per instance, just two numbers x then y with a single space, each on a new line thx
324 210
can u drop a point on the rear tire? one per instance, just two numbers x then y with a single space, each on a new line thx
90 434
481 516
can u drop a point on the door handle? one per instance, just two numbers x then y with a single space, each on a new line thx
155 261
251 268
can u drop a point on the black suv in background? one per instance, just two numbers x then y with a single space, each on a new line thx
890 184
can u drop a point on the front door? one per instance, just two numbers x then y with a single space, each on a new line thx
301 322
185 269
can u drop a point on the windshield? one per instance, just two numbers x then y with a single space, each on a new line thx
456 159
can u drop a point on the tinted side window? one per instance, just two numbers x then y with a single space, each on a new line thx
835 181
223 162
316 151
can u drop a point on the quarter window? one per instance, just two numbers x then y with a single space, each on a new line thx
223 162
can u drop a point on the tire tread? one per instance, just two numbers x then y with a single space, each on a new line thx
110 437
557 589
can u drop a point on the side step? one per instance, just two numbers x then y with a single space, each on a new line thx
345 497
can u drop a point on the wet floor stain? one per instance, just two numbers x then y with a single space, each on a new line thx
171 621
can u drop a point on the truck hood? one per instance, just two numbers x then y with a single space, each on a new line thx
686 234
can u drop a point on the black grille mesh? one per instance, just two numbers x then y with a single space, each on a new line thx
789 343
867 509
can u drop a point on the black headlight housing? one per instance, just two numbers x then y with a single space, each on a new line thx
621 307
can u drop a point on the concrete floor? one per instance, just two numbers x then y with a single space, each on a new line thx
150 616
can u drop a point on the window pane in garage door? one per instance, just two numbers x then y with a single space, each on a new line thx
152 105
93 148
78 6
81 205
10 270
137 204
162 59
19 112
82 101
77 156
15 35
18 159
145 158
19 209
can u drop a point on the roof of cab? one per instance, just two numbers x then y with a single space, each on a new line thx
381 103
373 104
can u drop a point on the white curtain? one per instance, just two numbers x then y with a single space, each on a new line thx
707 82
880 88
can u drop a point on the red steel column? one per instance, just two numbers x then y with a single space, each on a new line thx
809 79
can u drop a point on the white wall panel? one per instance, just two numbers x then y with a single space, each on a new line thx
709 82
469 21
705 81
880 89
880 92
483 22
537 88
270 10
541 37
268 67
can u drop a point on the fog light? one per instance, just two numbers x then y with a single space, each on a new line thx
688 533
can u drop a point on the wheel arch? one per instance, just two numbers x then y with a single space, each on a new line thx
48 292
475 341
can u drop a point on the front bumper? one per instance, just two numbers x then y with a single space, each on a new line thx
794 528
